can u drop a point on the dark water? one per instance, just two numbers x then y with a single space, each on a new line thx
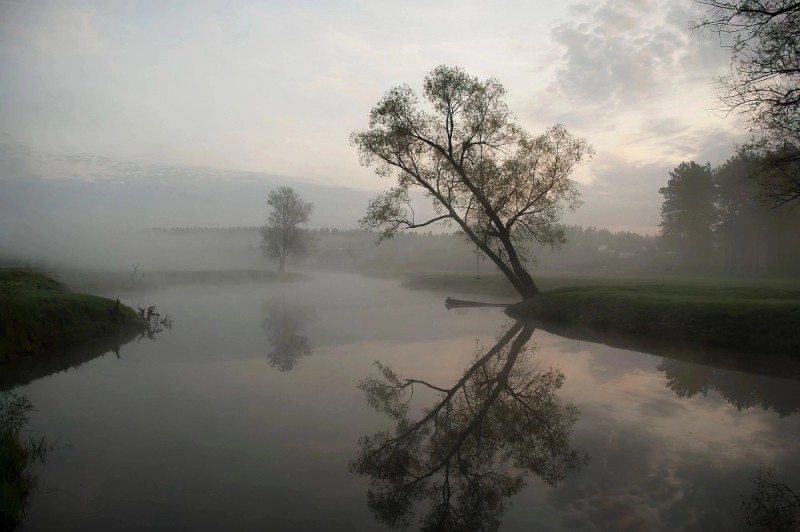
247 415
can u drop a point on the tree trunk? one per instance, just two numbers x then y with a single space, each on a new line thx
282 259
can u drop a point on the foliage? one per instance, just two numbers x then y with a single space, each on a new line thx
17 455
764 83
773 506
753 239
689 212
471 449
283 236
742 389
501 186
155 323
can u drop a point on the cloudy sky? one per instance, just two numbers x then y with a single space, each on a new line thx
275 87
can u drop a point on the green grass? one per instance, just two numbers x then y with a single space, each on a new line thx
762 319
719 313
38 314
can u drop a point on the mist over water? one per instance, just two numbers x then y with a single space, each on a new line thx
208 426
198 330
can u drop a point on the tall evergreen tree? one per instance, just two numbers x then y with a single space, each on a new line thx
742 221
754 238
689 213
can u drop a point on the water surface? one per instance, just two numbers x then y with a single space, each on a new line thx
247 414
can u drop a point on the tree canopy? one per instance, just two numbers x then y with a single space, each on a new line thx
283 235
689 212
459 145
764 83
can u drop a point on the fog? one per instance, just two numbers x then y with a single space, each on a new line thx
375 265
99 222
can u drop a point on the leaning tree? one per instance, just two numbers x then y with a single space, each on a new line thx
502 187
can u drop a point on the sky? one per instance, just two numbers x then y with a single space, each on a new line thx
237 90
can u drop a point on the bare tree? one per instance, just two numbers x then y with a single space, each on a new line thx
283 236
764 83
501 186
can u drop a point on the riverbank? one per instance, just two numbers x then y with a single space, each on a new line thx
759 320
739 315
38 313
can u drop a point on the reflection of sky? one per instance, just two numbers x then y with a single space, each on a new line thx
658 462
196 430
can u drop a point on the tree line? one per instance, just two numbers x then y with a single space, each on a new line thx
716 220
763 85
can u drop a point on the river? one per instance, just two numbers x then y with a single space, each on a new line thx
252 413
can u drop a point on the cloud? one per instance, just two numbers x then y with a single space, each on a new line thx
277 87
622 52
58 29
75 189
622 195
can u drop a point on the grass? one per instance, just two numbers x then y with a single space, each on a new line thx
18 452
38 313
763 319
739 315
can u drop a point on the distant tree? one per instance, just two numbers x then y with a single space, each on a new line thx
755 239
283 236
501 186
689 212
742 218
764 83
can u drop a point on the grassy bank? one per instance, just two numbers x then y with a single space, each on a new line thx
38 314
757 319
741 315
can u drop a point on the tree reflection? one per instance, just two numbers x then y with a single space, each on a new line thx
17 455
284 323
772 506
742 390
474 446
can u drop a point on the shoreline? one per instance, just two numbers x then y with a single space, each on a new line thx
39 315
718 314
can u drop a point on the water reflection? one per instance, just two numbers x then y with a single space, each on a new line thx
742 390
474 446
772 506
21 370
284 322
18 453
